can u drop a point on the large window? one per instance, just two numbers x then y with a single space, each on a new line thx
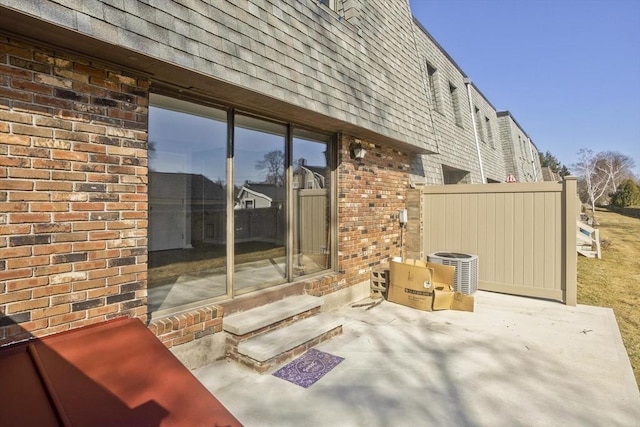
187 209
259 187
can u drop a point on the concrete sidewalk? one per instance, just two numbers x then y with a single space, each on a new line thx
513 362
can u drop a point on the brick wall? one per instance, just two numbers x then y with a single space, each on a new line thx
369 198
186 327
73 201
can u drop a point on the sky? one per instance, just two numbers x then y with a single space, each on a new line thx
567 70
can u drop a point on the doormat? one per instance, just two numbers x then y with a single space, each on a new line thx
308 368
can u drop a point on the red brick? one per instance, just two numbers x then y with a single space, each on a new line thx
29 173
16 196
87 206
89 246
51 228
14 207
50 311
108 272
70 216
89 284
89 265
68 176
57 144
12 116
102 311
15 229
14 184
70 237
49 207
63 288
66 319
17 218
52 249
15 94
103 235
15 296
31 261
22 251
89 148
69 197
13 161
51 164
53 269
69 155
53 122
89 225
120 206
28 305
53 186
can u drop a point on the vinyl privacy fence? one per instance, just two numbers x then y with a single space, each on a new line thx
524 234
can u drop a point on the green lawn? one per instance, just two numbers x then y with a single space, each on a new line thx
614 280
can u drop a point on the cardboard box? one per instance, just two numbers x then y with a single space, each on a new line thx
425 286
413 282
462 302
442 297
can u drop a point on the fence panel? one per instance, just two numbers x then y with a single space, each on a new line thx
518 231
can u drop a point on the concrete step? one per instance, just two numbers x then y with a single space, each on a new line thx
276 345
249 321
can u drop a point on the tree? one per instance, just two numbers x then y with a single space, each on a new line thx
616 166
273 164
592 179
550 161
627 194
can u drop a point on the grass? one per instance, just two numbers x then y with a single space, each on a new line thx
614 280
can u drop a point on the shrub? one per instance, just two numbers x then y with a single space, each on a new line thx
628 194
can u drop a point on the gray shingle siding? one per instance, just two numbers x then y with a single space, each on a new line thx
364 65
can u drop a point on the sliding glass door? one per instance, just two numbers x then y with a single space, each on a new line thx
236 203
260 210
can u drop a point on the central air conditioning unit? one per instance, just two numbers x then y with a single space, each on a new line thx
466 276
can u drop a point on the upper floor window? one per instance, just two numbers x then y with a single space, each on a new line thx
432 81
455 104
331 4
487 123
479 127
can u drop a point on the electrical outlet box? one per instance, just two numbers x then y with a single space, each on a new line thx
402 216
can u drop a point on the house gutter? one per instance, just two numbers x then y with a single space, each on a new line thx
467 82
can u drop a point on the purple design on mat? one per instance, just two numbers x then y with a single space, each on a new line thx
308 368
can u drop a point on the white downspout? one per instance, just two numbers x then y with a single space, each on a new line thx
467 82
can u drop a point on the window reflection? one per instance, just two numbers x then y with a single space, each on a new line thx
188 194
311 213
260 205
187 218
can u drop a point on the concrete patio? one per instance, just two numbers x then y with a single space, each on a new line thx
513 362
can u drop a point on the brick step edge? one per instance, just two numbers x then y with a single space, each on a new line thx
264 366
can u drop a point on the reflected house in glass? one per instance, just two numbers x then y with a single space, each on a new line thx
309 177
205 210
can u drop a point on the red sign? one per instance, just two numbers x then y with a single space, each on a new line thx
511 178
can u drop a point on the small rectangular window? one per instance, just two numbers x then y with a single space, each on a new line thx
455 104
487 123
432 81
331 4
479 124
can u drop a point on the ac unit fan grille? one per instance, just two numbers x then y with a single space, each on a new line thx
466 274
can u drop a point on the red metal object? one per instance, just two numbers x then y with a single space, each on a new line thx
112 374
